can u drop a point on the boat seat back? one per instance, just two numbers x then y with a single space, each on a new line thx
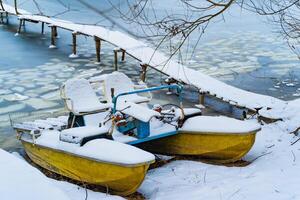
81 135
121 83
81 98
92 119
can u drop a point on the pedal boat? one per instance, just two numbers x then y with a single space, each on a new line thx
216 139
127 117
120 168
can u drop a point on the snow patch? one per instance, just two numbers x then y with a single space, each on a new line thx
73 55
19 180
52 47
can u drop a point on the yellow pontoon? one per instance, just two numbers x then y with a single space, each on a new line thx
219 139
116 166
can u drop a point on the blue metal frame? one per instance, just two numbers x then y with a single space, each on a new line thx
178 88
175 86
153 137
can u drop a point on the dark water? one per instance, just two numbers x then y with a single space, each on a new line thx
242 51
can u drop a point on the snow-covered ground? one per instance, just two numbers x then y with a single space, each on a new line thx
272 174
20 181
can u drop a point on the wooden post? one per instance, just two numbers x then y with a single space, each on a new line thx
43 27
144 71
201 97
74 43
20 26
1 18
123 55
52 37
98 48
116 59
6 13
55 31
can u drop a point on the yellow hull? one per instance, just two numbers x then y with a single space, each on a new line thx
215 147
123 180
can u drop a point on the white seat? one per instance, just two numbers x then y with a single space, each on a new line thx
121 83
80 98
76 135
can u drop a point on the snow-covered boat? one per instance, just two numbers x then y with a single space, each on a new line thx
217 139
119 167
96 142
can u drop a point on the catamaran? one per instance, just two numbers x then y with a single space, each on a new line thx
111 141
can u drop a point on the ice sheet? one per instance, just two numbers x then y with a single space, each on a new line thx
159 61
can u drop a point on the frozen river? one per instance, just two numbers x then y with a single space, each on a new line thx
242 51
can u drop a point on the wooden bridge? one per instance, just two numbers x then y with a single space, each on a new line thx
212 92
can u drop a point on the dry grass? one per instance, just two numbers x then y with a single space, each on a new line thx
160 163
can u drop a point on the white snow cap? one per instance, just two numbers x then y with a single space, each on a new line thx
19 180
83 96
99 149
219 124
116 152
121 83
76 135
137 111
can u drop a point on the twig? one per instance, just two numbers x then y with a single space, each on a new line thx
204 178
234 193
261 156
295 132
295 142
294 157
86 192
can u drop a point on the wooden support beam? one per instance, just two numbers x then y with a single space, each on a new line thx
43 28
52 37
116 59
144 71
98 48
74 49
201 97
20 26
123 54
1 18
55 32
6 13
